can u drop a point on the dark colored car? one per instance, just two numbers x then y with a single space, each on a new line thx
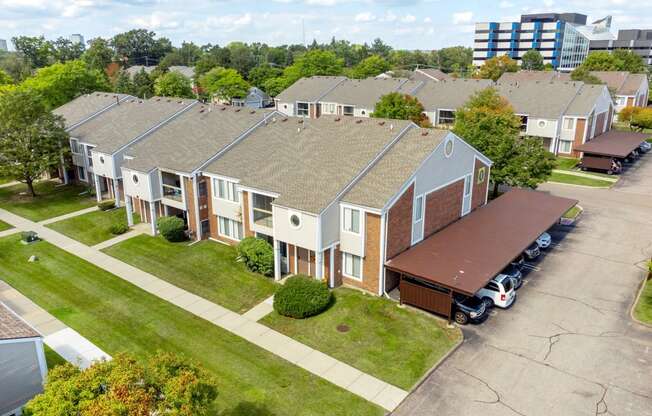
518 262
532 252
468 308
515 274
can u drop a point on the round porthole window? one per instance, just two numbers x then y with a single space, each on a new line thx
295 221
364 112
542 123
135 178
448 149
102 159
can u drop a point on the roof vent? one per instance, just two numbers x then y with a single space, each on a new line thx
158 99
237 110
169 101
424 133
381 123
337 119
252 112
391 127
223 108
140 101
358 121
273 119
179 102
202 110
285 119
301 121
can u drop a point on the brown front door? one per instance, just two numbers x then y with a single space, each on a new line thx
303 261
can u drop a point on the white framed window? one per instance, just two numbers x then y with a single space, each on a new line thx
467 185
331 108
569 123
89 155
352 266
74 146
351 221
82 173
302 109
229 228
225 190
418 208
446 117
565 146
347 110
524 123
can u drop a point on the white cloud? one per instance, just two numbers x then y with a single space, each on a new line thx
427 20
505 4
408 18
462 17
155 21
365 17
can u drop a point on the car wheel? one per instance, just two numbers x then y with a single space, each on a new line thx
488 302
461 318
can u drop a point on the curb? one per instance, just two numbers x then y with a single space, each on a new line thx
636 299
582 186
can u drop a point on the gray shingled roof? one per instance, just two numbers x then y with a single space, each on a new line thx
540 99
387 176
85 106
123 123
309 89
613 79
429 74
363 93
12 327
530 76
192 138
585 100
632 84
449 94
186 71
133 70
308 164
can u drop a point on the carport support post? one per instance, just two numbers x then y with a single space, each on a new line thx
450 310
98 189
130 213
277 260
152 216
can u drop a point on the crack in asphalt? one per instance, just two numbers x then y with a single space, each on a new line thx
588 305
602 402
555 338
499 400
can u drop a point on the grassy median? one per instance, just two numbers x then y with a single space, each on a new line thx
93 227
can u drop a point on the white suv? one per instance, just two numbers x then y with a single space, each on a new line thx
499 291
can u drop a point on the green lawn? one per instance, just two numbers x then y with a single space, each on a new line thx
207 269
92 228
643 309
51 200
52 358
578 180
649 140
4 179
394 344
566 163
4 226
119 317
573 212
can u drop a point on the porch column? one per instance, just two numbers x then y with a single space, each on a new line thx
64 171
195 202
130 213
116 192
319 264
277 260
152 216
98 189
331 267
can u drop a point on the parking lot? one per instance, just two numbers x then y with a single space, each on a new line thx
568 345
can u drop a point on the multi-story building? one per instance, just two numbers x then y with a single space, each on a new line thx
76 38
3 45
636 40
563 39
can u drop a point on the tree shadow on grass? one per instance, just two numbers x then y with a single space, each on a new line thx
248 409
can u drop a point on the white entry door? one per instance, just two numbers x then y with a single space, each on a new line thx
466 199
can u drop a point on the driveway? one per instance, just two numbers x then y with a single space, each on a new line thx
568 345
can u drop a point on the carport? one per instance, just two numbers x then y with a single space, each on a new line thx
464 256
599 152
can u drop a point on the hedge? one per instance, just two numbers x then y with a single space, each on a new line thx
106 205
301 297
118 228
171 228
257 254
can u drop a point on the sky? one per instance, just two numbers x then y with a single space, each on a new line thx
404 24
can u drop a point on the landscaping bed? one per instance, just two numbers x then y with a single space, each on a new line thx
117 316
374 335
579 180
207 269
92 228
51 201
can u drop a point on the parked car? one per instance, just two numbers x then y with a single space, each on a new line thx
645 147
499 292
468 309
544 240
518 262
532 252
515 274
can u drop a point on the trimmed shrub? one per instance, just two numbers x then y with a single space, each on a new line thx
171 228
106 205
118 228
301 297
257 254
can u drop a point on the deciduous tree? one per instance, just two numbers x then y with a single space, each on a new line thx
32 139
173 84
224 83
401 107
532 60
38 51
494 68
98 55
370 67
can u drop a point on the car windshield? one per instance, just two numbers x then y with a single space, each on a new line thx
510 270
507 284
533 246
471 302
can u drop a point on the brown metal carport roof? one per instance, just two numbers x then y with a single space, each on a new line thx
465 255
613 143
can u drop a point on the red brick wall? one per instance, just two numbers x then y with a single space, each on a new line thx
399 224
327 266
248 232
579 135
337 263
443 207
371 260
190 204
479 196
212 218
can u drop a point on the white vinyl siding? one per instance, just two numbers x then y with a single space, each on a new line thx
351 221
230 228
225 190
352 266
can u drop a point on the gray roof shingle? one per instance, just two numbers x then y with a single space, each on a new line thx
86 106
632 84
429 74
123 123
449 94
530 76
387 176
363 93
585 100
307 162
192 138
309 89
13 327
539 98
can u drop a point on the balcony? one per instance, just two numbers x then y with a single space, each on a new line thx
171 185
262 210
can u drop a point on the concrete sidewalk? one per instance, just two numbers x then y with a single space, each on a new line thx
140 228
364 385
69 215
68 343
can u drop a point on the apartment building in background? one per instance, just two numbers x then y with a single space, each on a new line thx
563 39
76 38
638 41
3 45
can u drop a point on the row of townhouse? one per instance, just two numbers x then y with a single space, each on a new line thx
627 89
335 196
562 113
